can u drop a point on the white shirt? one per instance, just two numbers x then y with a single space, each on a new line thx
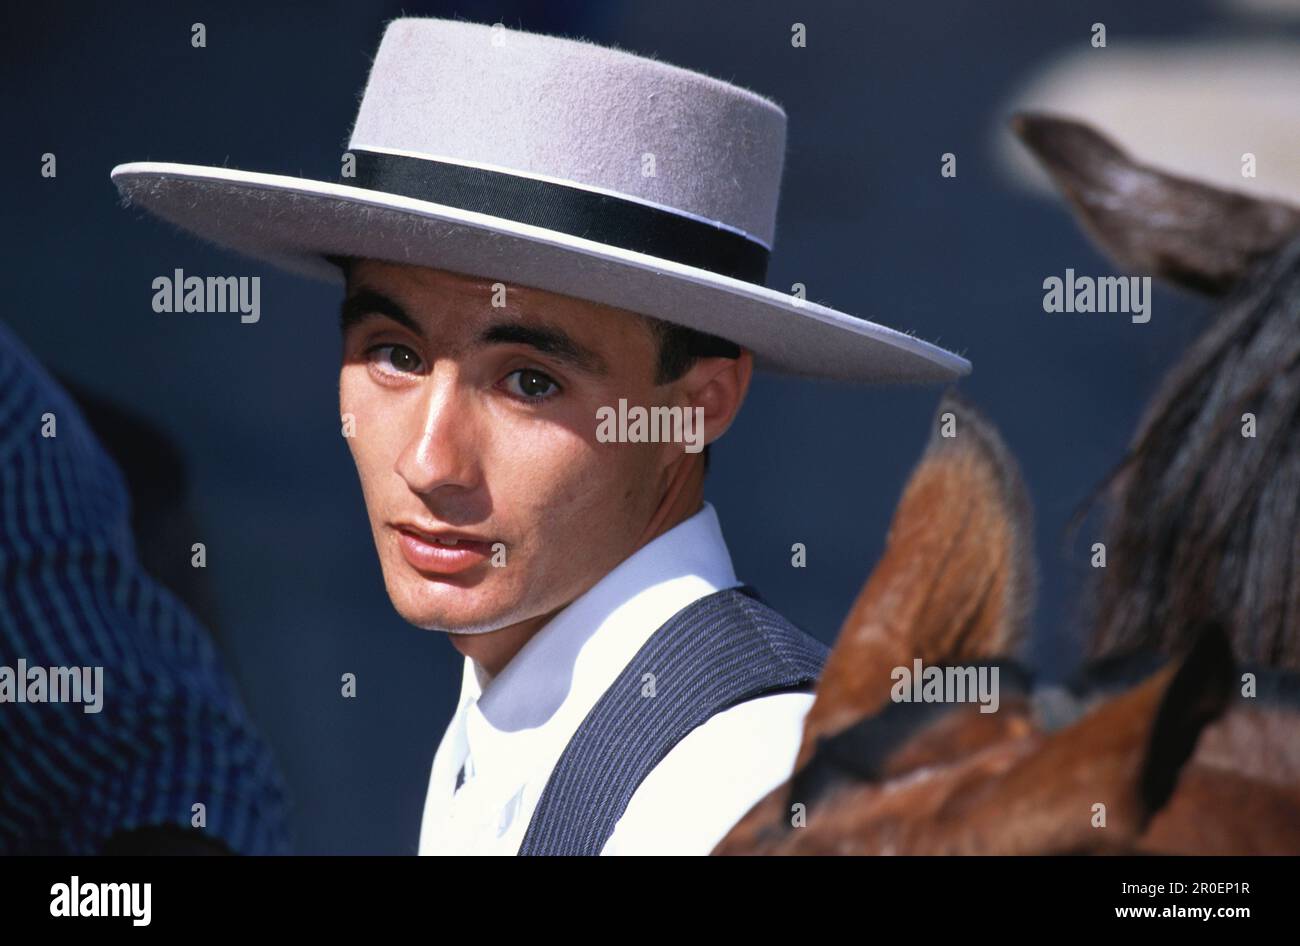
510 730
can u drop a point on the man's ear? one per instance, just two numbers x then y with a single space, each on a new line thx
718 386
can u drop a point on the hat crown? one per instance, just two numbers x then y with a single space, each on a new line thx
576 112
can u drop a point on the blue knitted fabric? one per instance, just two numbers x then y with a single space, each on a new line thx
718 651
171 732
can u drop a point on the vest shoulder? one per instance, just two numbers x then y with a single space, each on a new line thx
772 630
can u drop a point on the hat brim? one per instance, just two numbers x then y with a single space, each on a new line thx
295 223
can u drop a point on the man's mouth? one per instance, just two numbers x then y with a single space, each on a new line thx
440 552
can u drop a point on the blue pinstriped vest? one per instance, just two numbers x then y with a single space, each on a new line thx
718 651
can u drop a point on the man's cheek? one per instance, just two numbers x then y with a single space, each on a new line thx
371 435
350 423
546 512
374 460
577 485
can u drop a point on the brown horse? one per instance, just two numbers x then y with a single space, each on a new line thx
1160 744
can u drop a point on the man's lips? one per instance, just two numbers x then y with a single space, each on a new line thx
441 552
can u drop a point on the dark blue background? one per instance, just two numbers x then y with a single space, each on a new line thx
866 222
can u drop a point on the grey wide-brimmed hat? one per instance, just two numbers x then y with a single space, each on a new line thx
558 164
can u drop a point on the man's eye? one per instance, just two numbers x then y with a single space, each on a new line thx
531 384
394 359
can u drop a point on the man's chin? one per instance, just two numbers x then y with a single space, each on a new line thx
451 622
460 617
442 603
437 605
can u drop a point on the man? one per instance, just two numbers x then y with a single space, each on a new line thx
554 257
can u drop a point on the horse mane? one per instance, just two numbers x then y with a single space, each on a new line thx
1205 522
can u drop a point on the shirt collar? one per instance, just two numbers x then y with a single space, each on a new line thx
528 712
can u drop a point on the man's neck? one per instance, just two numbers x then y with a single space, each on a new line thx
683 498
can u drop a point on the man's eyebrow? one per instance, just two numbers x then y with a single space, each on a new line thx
549 341
364 303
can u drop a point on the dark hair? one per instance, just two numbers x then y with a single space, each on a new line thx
680 347
1204 521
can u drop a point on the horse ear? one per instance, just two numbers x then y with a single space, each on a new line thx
955 583
1151 222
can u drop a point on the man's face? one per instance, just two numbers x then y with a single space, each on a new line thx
477 424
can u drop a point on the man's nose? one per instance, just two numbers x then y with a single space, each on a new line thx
442 450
